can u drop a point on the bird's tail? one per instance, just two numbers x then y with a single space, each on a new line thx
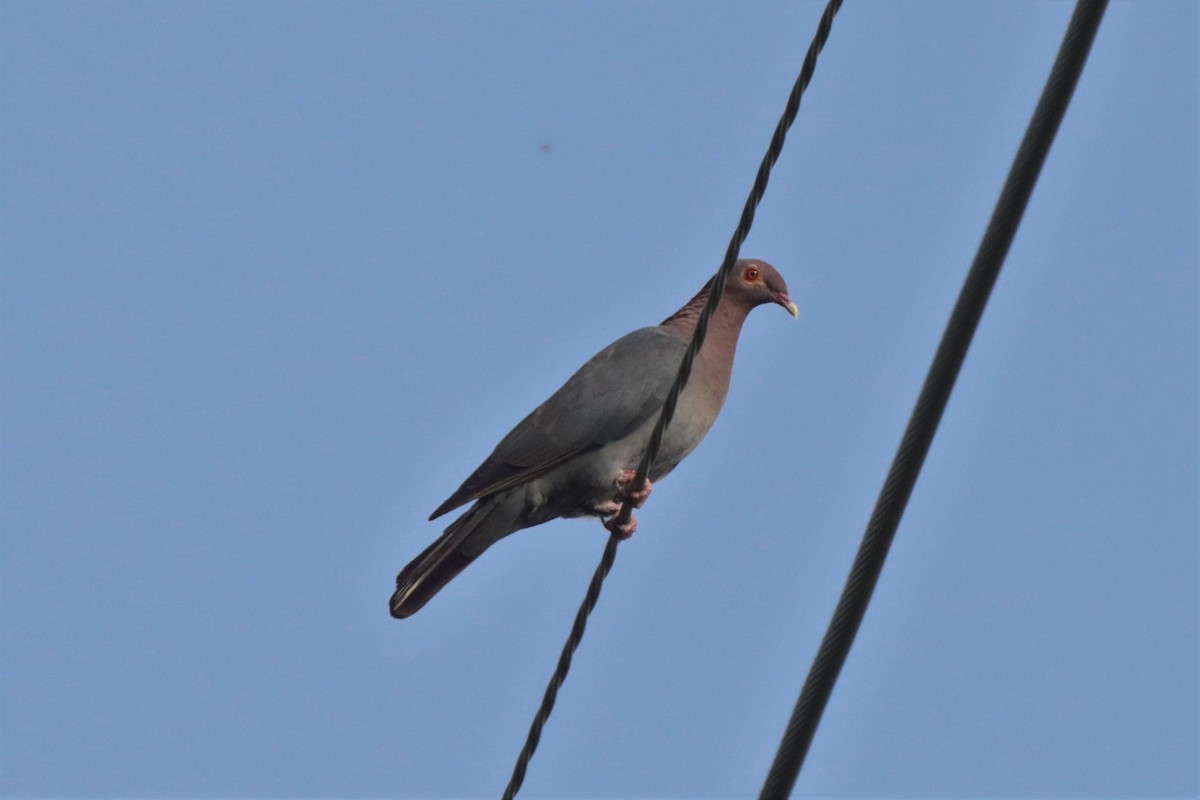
458 546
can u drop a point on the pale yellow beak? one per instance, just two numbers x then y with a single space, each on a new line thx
785 301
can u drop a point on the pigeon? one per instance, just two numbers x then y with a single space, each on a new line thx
575 455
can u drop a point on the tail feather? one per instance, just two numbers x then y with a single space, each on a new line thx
437 564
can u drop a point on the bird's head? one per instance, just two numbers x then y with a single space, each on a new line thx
755 282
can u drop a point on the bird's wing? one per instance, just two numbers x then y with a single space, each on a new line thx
609 397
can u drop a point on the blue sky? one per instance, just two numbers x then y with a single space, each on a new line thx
277 276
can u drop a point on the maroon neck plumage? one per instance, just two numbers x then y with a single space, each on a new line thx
729 316
720 343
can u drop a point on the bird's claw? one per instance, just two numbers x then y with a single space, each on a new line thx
607 508
634 498
621 530
610 510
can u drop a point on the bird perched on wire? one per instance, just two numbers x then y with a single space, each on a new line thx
576 454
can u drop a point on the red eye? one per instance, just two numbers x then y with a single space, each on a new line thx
751 274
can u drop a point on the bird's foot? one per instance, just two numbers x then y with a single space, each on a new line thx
606 508
610 510
624 492
619 530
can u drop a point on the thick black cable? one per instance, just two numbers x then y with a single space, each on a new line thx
931 402
685 369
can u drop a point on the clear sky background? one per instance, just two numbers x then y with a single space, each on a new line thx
277 276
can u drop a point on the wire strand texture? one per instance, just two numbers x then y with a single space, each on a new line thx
735 245
932 400
681 378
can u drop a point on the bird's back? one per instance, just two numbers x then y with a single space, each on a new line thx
608 398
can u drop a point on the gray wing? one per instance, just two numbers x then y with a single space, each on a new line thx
610 396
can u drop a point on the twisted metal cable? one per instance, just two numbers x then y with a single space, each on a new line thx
668 410
735 245
560 672
935 393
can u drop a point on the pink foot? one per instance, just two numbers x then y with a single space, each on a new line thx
607 508
620 531
636 499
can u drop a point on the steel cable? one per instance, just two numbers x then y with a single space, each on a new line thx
668 410
931 402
